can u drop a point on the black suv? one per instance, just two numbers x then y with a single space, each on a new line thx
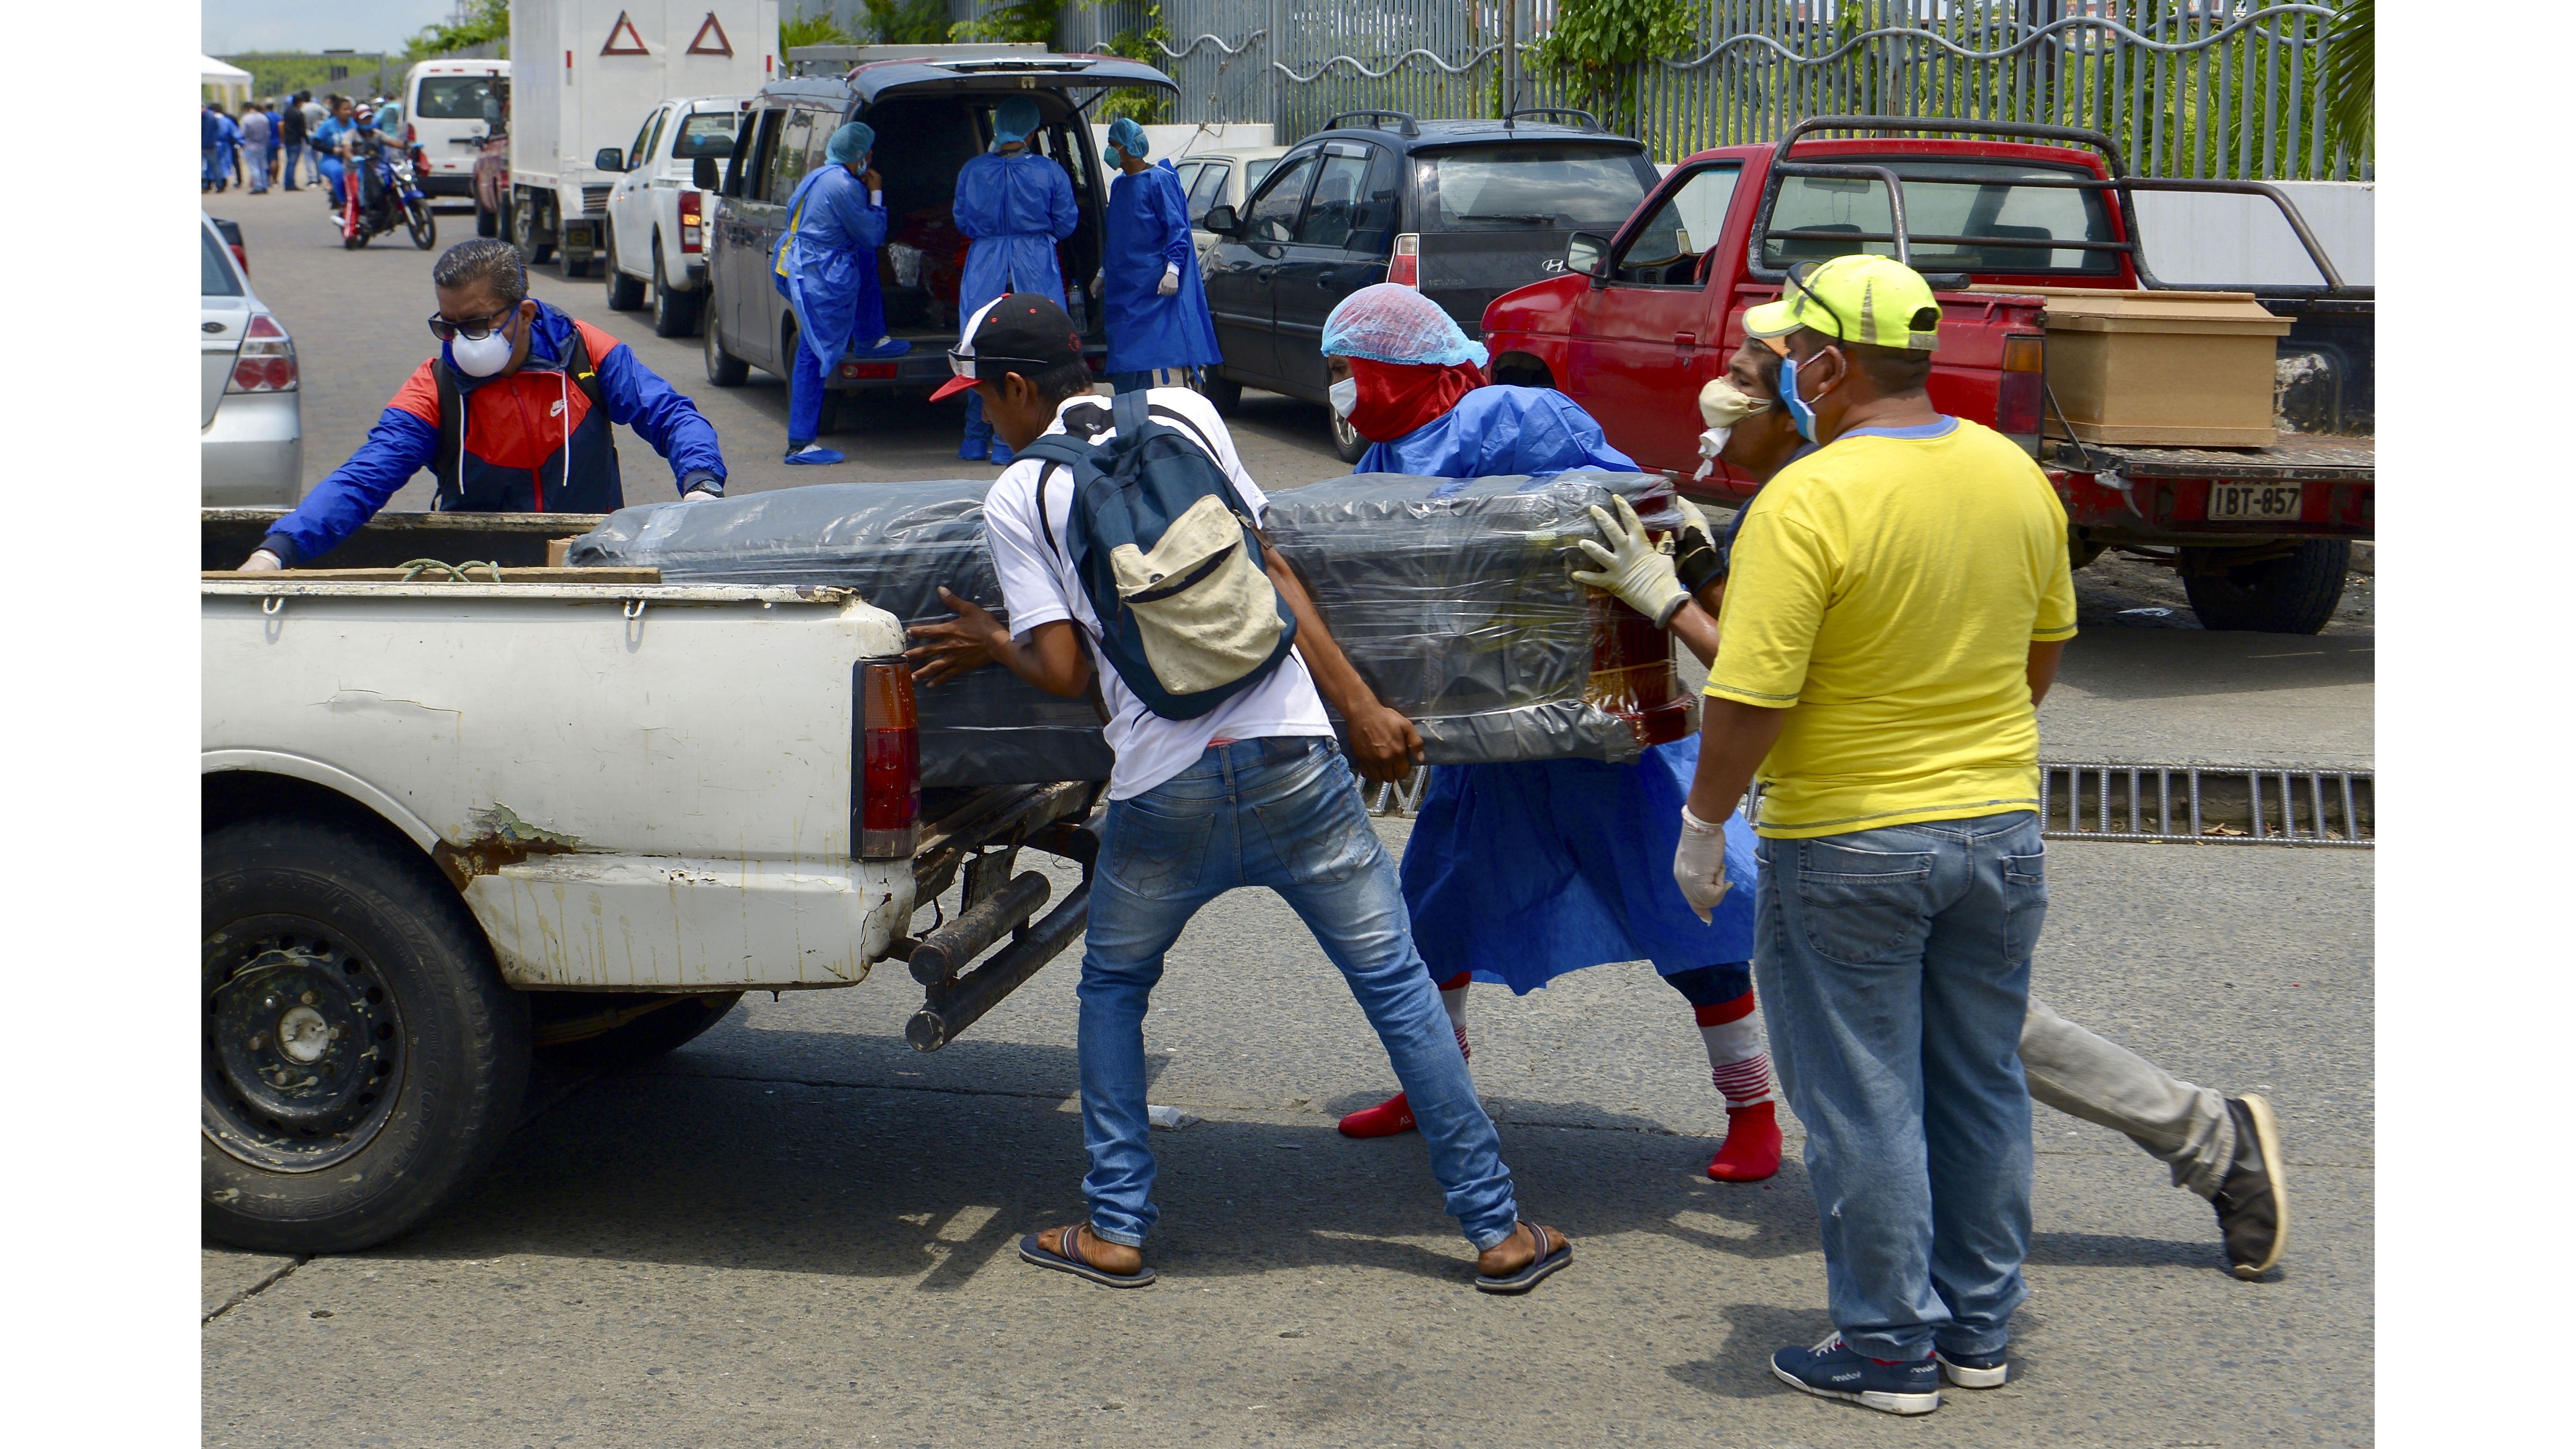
1463 210
931 113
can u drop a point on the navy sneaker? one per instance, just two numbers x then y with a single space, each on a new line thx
1973 1370
1831 1370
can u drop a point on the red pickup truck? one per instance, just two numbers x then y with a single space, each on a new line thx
2261 535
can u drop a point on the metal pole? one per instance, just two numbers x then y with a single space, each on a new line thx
1276 46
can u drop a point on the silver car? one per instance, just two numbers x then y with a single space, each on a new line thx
252 430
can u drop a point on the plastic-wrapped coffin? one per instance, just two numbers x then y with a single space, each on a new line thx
1451 596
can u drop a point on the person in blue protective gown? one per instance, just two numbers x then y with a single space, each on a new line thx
1518 873
826 268
1014 205
1151 297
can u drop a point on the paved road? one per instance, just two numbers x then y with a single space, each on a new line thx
796 1231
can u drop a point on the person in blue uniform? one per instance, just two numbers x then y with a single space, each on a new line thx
326 148
1014 205
826 268
1518 873
1151 298
222 136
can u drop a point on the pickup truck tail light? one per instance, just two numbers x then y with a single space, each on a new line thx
692 226
888 809
2024 387
266 362
1404 268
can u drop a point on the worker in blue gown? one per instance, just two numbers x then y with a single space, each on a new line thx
1151 298
1014 205
1518 873
826 268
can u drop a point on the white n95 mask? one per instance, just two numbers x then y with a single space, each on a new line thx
481 356
1345 396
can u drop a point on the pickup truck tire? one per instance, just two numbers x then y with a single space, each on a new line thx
363 1059
2292 593
675 314
625 294
1222 392
1348 445
723 368
567 1026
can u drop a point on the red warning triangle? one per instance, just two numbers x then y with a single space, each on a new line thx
714 27
622 39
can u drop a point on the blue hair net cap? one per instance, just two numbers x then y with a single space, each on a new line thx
1129 137
1014 119
851 143
1391 322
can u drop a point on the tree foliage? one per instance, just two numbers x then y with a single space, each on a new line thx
907 22
1600 45
485 20
1025 21
2349 112
1145 107
810 30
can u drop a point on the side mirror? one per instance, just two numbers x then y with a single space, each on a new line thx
1221 220
609 159
705 175
1587 254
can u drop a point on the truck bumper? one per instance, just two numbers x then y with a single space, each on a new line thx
670 923
2113 508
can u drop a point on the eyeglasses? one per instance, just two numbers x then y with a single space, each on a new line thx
472 330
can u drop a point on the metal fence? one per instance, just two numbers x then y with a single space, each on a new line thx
2192 88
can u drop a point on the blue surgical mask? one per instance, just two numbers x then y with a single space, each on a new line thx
1801 416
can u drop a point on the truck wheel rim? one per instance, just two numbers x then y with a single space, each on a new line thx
303 1045
1344 435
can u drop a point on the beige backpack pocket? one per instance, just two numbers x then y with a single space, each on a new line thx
1205 611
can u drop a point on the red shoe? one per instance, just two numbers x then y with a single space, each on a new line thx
1395 1115
1751 1151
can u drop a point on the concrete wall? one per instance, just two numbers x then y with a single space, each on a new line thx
2209 238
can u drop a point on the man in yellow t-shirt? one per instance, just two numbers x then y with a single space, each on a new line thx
1898 602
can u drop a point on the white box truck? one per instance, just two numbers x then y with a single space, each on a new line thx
585 72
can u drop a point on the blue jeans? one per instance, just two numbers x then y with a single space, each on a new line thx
1894 966
258 158
294 163
1283 813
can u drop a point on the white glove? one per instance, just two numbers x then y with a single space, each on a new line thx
261 562
1171 282
696 494
1692 517
1095 285
1699 864
1640 573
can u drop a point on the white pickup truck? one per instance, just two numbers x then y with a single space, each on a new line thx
448 823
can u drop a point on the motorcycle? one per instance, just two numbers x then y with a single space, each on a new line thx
385 194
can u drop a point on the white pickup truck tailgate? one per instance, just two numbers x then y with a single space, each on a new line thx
635 786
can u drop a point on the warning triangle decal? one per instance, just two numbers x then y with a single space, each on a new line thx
622 39
719 45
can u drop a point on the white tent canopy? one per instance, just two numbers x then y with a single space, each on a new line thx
220 74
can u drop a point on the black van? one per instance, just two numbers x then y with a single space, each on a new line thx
1463 210
931 116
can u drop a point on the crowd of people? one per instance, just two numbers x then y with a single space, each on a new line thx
1879 623
294 142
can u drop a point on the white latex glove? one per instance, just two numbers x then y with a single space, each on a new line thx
1096 285
1693 518
262 562
696 494
1699 864
1171 282
1640 573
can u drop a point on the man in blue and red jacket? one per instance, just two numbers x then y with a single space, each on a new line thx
512 416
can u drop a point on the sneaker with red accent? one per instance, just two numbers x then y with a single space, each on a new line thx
1392 1117
1751 1151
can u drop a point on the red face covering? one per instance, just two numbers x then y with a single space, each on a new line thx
1395 399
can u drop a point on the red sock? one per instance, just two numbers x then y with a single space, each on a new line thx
1741 1070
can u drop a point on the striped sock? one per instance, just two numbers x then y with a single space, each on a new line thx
1453 998
1738 1063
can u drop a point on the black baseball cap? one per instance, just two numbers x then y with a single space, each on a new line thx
1022 332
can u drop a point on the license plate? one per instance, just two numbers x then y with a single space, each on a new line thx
2253 502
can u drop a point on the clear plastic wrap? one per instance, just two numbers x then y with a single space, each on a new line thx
1453 598
896 543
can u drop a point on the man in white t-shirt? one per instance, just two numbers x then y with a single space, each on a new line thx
1253 793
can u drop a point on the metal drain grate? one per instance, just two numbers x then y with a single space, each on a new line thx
2207 804
2199 804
